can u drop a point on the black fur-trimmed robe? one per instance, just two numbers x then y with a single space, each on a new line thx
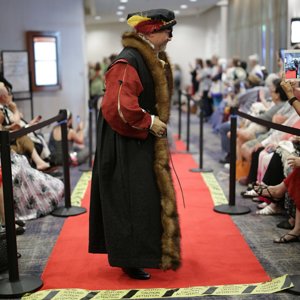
133 211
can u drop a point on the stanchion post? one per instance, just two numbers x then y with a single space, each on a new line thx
9 207
68 210
90 136
232 171
95 105
179 114
15 285
201 169
231 208
188 123
88 167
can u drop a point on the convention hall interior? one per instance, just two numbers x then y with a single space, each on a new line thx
227 154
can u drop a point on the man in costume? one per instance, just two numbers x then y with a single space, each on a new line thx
133 211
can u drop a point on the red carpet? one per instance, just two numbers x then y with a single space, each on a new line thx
213 250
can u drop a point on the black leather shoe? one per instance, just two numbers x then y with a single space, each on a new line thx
136 273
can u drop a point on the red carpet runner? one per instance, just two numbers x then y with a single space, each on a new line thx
213 250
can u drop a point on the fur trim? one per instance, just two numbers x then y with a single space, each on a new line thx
163 82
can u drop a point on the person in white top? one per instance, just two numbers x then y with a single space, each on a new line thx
255 67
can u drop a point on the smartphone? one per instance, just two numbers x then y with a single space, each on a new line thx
291 64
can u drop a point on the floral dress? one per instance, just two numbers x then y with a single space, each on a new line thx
35 193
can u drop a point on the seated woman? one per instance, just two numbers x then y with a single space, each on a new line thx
262 152
278 113
14 119
291 183
291 186
78 153
35 193
22 145
20 225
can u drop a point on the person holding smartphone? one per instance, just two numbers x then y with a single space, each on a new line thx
78 153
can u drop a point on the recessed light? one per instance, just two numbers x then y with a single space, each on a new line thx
121 7
119 13
97 18
122 19
176 12
123 1
193 0
183 6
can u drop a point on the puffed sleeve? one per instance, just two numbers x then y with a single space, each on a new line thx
120 105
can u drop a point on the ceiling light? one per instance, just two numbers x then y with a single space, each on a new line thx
183 6
176 12
119 13
123 1
193 0
97 18
122 19
121 7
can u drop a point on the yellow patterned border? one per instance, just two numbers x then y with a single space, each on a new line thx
80 188
214 188
276 285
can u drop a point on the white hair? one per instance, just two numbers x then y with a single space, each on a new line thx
270 78
254 57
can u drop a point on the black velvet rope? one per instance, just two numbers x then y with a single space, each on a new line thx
31 128
268 124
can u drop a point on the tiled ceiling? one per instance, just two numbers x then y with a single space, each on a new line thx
111 11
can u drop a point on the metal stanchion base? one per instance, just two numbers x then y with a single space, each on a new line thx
18 288
231 209
296 282
202 170
68 211
85 168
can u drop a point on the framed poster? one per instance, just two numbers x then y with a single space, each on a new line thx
44 60
16 69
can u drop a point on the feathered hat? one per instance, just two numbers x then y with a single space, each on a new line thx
151 20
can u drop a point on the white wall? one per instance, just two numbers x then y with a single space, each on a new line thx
196 36
67 17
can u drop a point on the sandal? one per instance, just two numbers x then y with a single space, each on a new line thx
284 240
259 189
269 211
249 194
